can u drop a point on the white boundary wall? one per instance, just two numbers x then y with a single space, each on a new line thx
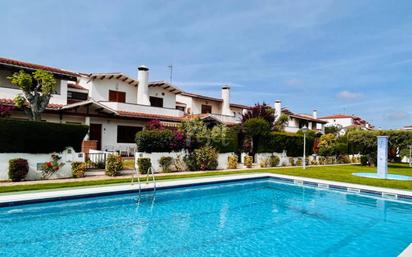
155 157
35 160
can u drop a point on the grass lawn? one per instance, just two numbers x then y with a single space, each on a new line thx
335 173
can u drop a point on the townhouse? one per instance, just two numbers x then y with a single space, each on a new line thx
116 106
346 122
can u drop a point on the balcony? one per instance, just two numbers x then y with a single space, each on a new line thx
227 118
138 108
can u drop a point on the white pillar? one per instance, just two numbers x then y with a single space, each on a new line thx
315 114
226 101
382 156
87 123
143 87
278 109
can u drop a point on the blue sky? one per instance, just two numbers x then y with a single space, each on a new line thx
351 57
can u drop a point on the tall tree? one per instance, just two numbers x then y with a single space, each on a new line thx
37 88
263 111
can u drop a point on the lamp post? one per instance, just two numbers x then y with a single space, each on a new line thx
304 130
410 153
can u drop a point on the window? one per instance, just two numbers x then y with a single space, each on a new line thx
303 123
156 101
76 96
206 108
117 96
126 134
181 108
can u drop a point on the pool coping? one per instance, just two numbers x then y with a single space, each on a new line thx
407 252
73 193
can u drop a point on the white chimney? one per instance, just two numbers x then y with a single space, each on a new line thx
315 114
226 101
143 87
278 109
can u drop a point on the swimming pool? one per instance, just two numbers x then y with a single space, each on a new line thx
260 217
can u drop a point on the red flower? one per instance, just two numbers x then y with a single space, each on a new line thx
49 164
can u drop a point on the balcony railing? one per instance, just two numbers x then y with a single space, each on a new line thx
127 107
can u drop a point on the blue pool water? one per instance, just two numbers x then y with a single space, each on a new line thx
248 218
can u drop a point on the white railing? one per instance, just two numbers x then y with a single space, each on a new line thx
227 118
127 107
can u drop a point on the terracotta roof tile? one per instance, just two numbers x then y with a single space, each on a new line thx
11 102
33 66
76 86
337 116
148 116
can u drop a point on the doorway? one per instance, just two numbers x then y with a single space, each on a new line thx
96 134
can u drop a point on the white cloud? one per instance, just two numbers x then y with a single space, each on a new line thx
397 115
293 82
349 96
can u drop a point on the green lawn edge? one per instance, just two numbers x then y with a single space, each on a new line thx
333 173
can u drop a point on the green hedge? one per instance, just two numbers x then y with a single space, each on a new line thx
20 136
279 141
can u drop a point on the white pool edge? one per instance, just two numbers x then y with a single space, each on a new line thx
407 252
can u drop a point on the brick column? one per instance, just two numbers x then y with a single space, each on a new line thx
88 144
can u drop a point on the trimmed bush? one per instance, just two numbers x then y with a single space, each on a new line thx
232 161
165 162
18 169
279 141
144 164
114 164
20 136
274 161
78 169
179 163
364 160
156 140
292 161
190 161
299 162
206 158
248 161
265 162
343 159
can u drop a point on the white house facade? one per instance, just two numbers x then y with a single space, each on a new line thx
298 121
346 122
116 106
220 109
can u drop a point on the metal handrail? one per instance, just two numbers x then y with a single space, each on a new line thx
150 171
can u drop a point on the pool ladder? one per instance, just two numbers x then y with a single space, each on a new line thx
150 173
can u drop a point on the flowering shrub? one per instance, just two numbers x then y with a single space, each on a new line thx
154 124
114 164
178 141
5 110
51 167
